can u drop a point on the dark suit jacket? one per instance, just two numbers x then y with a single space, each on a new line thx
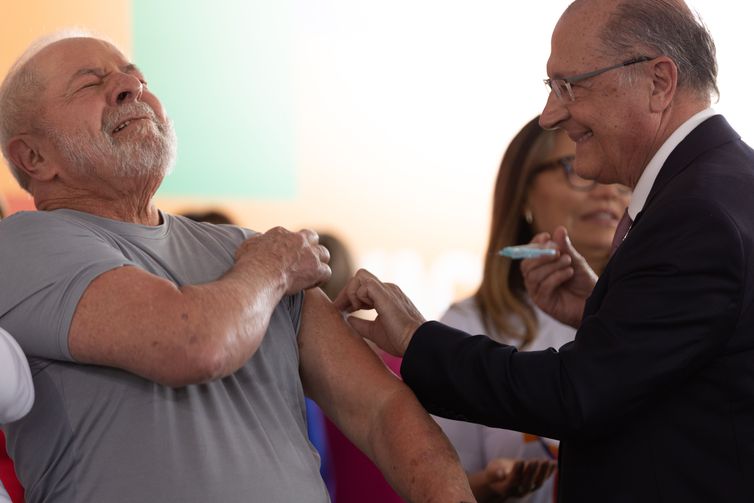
654 400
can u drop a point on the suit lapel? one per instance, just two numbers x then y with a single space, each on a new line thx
710 134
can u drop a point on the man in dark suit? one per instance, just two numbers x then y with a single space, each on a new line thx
654 400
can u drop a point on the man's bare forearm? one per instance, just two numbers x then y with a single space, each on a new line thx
145 324
175 336
414 454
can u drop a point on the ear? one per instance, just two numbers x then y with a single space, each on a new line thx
25 152
664 83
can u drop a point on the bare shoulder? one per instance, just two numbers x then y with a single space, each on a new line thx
323 327
333 356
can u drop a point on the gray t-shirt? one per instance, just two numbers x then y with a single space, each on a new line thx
99 434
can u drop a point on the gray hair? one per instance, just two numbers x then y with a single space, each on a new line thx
669 28
19 93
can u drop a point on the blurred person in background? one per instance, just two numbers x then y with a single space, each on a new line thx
16 398
341 263
536 190
214 216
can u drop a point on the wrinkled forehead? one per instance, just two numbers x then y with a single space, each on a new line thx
575 46
61 60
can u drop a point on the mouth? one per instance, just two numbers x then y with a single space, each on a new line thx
123 125
602 215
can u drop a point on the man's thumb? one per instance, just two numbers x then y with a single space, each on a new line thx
362 327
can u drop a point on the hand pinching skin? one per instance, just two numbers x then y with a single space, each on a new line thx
397 317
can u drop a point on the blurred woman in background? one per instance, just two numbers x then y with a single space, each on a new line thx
536 191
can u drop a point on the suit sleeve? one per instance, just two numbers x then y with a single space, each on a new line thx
665 307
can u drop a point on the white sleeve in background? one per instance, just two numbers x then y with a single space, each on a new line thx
4 498
16 388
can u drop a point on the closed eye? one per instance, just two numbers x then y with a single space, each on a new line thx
89 84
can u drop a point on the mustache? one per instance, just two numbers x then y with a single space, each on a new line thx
122 113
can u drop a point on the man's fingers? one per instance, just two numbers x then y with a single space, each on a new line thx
536 263
362 327
560 236
545 276
541 238
547 286
324 273
356 294
342 302
324 254
310 236
399 316
349 299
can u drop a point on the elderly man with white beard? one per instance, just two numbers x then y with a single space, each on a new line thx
171 357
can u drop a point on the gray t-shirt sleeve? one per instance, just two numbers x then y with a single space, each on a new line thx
46 263
295 304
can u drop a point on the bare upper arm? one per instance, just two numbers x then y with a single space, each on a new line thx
339 370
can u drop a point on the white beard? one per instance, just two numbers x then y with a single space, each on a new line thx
151 151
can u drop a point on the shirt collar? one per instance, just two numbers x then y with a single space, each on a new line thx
649 175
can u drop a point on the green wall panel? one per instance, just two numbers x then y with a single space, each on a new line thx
223 70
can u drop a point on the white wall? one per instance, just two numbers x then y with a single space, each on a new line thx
404 108
410 104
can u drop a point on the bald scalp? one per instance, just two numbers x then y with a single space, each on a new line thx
607 4
630 28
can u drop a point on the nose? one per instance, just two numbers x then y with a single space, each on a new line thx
125 89
554 112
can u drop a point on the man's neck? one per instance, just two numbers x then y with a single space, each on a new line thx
118 198
652 169
144 213
126 206
680 110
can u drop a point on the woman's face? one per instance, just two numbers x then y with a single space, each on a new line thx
590 216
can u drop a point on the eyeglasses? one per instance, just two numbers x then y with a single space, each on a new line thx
566 164
575 181
563 85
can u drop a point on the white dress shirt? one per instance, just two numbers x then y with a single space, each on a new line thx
649 175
